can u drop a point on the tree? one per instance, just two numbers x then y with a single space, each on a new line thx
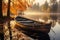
53 6
45 7
20 6
59 7
0 8
9 18
53 9
1 22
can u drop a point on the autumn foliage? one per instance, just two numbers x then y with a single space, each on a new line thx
15 6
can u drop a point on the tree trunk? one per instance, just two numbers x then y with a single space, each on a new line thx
8 15
0 8
1 22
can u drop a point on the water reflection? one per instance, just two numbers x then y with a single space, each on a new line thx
55 33
54 22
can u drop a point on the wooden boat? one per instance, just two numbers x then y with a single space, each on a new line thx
32 25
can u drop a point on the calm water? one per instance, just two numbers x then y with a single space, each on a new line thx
55 32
